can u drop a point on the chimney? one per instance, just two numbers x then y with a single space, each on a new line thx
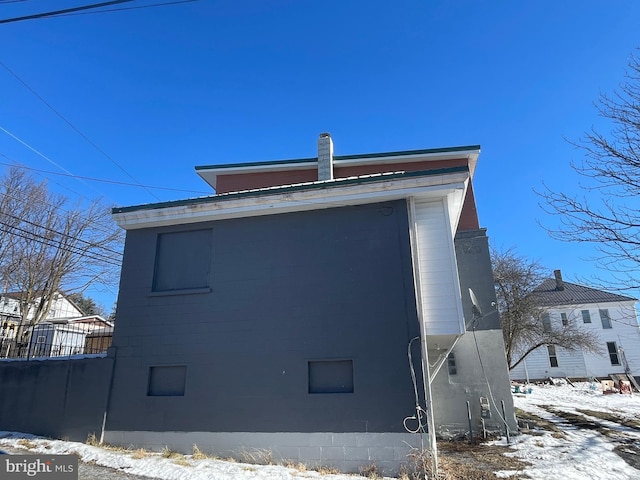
325 157
559 282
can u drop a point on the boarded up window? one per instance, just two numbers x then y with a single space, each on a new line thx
182 261
331 376
167 381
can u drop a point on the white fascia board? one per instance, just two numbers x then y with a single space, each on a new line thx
431 186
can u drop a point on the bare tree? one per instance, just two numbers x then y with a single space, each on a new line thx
524 325
48 245
608 213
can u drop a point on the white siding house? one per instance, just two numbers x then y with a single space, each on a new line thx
611 317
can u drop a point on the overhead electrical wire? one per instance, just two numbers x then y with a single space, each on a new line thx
27 235
42 202
62 234
102 180
76 129
63 11
107 10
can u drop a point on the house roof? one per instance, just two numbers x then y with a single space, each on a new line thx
209 173
547 294
302 196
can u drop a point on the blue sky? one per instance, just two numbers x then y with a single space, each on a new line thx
163 89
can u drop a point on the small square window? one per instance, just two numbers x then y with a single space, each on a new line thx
605 318
586 316
167 381
331 376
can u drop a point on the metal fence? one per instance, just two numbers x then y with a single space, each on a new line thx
11 348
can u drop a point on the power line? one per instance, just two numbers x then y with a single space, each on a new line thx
62 234
42 202
27 235
93 179
34 150
63 11
68 122
129 8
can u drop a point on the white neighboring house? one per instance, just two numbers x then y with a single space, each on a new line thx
610 316
64 336
61 307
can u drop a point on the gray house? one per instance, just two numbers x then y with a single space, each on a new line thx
318 308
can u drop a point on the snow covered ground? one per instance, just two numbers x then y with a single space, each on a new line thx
584 447
581 447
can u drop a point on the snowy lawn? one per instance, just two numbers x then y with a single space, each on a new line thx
589 426
574 433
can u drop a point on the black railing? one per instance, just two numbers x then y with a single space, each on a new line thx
11 348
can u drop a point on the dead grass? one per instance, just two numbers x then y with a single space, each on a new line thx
612 417
532 424
463 461
326 470
92 440
168 453
27 443
139 454
370 471
257 456
198 454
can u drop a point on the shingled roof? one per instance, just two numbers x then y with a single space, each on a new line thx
555 291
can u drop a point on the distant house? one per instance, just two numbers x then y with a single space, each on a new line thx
58 333
316 308
610 316
67 336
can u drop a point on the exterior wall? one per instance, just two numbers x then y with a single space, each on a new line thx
54 398
479 354
236 182
571 364
577 364
285 290
345 451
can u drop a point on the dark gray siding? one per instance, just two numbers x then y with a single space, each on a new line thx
285 290
474 271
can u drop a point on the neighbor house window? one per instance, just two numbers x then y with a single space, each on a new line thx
331 376
182 261
605 318
451 364
565 320
613 353
586 316
553 357
546 322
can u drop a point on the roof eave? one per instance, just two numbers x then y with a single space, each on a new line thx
209 173
283 200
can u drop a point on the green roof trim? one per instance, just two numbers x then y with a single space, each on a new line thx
400 153
290 188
